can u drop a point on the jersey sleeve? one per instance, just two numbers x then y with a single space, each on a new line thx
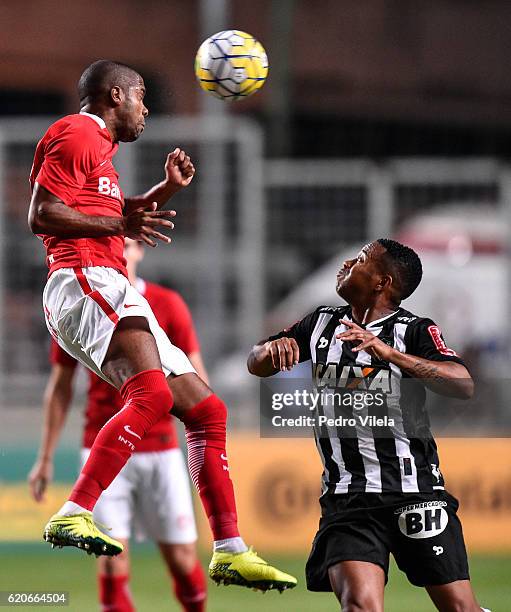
301 331
69 157
426 340
59 356
179 326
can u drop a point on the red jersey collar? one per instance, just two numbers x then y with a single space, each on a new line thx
95 118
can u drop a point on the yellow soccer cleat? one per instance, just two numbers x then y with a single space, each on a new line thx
249 570
80 530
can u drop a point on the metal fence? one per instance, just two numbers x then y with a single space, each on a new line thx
317 207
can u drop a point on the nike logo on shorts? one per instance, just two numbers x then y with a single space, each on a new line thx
127 428
130 305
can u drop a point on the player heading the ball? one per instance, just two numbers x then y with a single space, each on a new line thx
100 319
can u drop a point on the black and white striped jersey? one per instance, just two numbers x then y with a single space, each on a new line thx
401 455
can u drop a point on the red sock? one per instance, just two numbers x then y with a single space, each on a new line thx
191 590
147 398
115 594
207 461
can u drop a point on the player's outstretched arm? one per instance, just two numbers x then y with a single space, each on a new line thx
49 215
272 356
179 172
57 399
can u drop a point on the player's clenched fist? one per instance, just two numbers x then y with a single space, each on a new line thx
140 224
179 169
284 353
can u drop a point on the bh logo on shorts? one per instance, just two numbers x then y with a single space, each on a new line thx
424 520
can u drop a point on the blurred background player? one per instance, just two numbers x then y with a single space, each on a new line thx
151 494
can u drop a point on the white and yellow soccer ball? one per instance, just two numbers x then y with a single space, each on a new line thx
231 65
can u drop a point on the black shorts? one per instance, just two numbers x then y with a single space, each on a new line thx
421 530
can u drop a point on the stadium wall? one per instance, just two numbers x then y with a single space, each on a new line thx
398 58
278 485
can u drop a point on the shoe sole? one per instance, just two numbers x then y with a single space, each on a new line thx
89 545
257 585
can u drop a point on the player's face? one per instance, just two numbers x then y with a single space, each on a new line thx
357 277
133 111
133 251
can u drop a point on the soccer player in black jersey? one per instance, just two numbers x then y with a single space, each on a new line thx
383 491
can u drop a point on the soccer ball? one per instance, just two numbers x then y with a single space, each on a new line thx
231 65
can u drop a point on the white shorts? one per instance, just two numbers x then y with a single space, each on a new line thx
82 307
150 497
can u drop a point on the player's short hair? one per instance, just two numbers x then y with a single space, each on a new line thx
98 79
406 265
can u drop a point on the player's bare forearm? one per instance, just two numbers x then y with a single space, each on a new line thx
198 363
64 222
49 215
160 193
259 361
444 377
179 172
268 358
57 399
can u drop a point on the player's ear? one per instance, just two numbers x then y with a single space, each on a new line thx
385 281
117 95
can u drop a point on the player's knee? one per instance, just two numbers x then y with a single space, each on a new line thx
149 395
359 601
155 404
218 408
181 558
161 398
114 566
360 605
459 603
211 411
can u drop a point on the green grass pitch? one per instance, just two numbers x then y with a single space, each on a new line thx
34 567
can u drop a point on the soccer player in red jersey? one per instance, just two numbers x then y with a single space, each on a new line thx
155 476
94 314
